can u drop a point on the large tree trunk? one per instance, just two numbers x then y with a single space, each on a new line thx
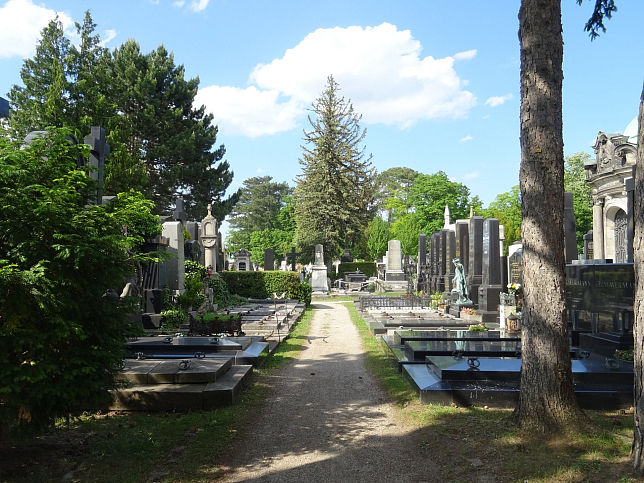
638 328
546 402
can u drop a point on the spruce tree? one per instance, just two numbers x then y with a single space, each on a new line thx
335 191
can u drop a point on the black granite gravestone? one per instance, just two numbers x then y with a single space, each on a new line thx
475 266
491 277
450 254
269 259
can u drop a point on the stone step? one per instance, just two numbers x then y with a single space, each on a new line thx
182 397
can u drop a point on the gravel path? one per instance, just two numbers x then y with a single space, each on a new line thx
327 419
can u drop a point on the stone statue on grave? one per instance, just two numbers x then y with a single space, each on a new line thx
460 286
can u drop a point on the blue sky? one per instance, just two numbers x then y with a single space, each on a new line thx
437 82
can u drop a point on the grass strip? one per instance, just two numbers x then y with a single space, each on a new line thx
133 447
480 441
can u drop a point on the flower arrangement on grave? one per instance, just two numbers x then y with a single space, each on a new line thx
468 310
477 327
514 288
624 354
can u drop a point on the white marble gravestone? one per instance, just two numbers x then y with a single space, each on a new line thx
394 271
319 280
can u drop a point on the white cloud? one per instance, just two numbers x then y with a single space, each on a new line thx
250 112
109 35
199 5
260 170
465 139
22 22
179 3
379 68
472 175
497 100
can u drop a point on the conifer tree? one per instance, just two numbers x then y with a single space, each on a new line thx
335 191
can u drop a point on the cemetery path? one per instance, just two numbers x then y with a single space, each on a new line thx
327 419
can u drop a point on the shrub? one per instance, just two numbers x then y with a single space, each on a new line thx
62 325
263 284
172 319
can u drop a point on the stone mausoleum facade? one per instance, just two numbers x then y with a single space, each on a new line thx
611 178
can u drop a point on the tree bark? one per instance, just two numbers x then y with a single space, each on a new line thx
638 327
547 401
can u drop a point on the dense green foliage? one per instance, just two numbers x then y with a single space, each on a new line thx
335 192
262 219
377 238
61 329
431 192
160 144
263 285
392 188
506 207
575 183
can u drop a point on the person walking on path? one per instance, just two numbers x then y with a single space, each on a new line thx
326 418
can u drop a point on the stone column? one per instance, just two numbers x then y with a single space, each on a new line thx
463 242
598 228
450 254
319 281
491 278
208 240
173 231
475 265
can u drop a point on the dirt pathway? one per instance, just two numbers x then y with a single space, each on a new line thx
327 419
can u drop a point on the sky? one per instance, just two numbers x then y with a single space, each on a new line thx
436 82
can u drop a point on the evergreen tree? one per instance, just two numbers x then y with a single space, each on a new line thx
160 144
575 183
43 101
335 192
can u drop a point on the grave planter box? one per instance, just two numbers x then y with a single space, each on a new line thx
474 318
220 324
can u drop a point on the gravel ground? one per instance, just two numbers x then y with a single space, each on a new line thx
327 419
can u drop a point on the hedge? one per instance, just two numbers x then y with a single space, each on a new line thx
262 285
368 268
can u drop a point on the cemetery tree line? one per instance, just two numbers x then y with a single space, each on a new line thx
161 144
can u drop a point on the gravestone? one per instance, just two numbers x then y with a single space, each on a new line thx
242 261
515 267
394 271
319 281
173 231
491 267
441 260
435 242
98 151
269 259
475 266
462 242
570 235
293 255
155 279
421 268
179 212
346 256
208 240
450 254
588 245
